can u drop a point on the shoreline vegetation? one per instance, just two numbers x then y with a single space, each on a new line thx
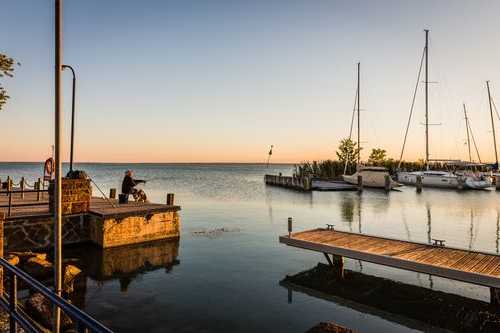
334 169
347 159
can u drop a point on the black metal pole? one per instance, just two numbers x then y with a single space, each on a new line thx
72 117
57 159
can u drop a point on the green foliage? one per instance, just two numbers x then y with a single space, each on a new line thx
6 69
377 156
348 152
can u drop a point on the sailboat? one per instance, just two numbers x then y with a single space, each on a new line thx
432 178
371 176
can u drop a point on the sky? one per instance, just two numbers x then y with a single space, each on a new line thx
220 81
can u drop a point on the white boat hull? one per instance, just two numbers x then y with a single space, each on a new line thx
443 180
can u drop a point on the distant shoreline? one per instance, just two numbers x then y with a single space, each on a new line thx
157 163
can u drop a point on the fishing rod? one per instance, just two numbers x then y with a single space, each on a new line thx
104 195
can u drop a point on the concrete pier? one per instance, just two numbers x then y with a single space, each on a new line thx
31 226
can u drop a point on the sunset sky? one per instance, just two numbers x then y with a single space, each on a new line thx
220 81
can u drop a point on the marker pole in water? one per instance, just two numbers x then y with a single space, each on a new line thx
269 156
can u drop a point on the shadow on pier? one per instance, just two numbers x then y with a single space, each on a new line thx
412 306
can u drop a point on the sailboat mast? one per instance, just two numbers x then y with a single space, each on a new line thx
467 128
427 98
359 122
492 124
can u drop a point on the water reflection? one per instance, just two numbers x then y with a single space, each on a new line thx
126 263
347 206
412 306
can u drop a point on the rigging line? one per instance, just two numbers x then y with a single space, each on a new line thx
411 108
353 112
495 107
474 141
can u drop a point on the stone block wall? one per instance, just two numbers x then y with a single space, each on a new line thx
115 231
76 195
32 233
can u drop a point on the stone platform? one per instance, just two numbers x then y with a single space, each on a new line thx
106 223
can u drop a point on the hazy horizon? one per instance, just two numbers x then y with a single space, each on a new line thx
198 82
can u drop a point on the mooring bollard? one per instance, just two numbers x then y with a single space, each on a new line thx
497 183
112 193
9 184
387 183
418 183
170 199
22 184
38 185
360 183
290 227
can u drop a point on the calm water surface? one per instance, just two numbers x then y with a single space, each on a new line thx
228 280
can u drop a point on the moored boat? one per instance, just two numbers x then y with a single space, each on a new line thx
371 177
445 179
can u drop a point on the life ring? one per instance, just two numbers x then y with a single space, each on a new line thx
48 169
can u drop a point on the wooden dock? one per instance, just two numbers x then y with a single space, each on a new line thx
291 182
308 183
31 206
332 185
473 267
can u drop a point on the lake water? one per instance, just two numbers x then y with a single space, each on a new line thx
228 264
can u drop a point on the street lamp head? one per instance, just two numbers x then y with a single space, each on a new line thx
68 66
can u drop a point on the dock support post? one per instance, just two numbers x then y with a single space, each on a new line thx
170 199
497 183
387 183
112 193
21 185
461 182
418 183
495 299
306 183
360 183
290 227
337 263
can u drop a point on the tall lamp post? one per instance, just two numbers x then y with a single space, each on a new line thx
72 117
58 55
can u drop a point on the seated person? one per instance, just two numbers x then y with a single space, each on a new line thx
128 186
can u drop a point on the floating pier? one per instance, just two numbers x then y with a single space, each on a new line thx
308 183
332 185
473 267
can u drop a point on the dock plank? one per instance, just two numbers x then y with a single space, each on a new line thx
458 264
98 206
